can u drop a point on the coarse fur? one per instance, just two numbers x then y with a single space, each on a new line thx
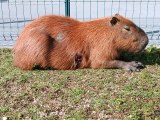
61 42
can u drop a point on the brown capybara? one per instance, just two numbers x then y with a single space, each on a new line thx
60 42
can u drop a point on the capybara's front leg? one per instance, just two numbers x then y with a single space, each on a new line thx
129 66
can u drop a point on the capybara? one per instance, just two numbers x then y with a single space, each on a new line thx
60 42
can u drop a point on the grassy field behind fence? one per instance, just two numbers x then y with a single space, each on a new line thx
81 94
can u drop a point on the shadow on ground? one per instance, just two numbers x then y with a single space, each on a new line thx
151 56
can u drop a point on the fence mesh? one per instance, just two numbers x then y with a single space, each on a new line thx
15 14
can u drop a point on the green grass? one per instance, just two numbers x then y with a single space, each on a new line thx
81 94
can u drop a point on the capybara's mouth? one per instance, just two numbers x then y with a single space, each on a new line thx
142 49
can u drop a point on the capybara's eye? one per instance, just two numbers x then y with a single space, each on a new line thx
126 28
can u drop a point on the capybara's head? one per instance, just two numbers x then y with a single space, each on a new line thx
129 37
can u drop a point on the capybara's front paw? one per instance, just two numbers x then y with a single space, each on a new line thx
134 66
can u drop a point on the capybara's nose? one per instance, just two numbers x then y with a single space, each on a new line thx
146 40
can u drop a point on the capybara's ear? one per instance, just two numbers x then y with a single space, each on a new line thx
116 14
114 20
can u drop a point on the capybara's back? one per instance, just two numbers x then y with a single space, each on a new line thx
65 43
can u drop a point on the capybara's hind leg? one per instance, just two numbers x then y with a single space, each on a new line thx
31 50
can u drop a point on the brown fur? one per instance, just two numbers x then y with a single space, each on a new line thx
65 43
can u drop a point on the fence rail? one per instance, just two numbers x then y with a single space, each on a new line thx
15 14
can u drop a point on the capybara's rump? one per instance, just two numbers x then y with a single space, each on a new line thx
33 50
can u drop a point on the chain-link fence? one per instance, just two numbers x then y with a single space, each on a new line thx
15 14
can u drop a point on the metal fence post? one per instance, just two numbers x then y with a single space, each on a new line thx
67 7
